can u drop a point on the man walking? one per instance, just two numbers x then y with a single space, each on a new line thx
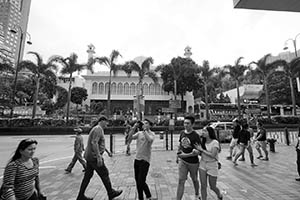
187 157
78 149
144 143
261 139
298 154
235 136
93 155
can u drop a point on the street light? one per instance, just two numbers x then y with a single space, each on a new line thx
290 76
14 31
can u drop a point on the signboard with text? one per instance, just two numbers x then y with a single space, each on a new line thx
174 104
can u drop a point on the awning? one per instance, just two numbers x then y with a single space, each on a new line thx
275 5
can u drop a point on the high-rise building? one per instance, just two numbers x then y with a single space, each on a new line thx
14 15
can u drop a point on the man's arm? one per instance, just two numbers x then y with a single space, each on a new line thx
149 135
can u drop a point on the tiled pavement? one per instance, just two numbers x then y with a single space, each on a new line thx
270 180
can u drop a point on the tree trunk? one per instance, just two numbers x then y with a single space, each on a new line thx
69 97
35 97
267 98
206 101
293 96
238 98
108 111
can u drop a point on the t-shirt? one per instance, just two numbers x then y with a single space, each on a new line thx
187 143
244 136
96 132
262 132
209 147
78 144
236 131
143 145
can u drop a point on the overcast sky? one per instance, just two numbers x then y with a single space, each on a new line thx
158 28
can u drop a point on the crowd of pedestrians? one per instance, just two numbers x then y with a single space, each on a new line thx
198 153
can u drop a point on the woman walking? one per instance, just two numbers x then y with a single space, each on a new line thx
21 174
209 150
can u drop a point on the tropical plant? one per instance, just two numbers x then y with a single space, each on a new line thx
237 72
69 66
113 68
39 70
292 70
78 95
142 71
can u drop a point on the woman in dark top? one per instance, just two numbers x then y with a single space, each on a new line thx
244 143
21 175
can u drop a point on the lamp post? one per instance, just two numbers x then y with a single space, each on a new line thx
290 76
17 63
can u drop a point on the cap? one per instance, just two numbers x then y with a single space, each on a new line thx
77 129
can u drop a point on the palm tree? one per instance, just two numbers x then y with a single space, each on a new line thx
110 63
237 73
206 73
265 70
292 70
39 70
70 65
143 70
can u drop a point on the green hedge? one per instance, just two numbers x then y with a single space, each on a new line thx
37 122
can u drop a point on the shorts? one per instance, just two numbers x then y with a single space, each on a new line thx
211 167
184 168
233 142
261 144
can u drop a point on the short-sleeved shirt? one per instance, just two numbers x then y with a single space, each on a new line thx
143 146
244 136
78 144
187 143
19 180
236 131
90 154
262 132
209 147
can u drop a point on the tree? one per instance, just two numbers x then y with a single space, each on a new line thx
110 63
39 70
237 72
205 74
292 70
62 98
78 95
143 70
70 65
96 107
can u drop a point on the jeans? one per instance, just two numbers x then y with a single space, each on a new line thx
77 156
141 168
103 173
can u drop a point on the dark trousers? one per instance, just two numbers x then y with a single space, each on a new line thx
89 172
298 161
77 156
34 196
141 168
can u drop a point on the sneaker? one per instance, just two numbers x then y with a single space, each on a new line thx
228 157
114 194
220 198
234 163
297 179
253 165
67 171
84 198
242 159
259 157
265 159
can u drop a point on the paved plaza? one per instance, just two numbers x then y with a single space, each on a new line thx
270 180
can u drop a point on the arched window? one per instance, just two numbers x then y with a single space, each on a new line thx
106 87
113 88
126 89
94 88
152 89
101 88
120 89
157 89
132 89
146 89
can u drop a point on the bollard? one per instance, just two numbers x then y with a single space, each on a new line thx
287 136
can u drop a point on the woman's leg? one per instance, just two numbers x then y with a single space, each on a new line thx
203 181
213 185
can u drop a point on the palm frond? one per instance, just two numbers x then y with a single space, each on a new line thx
114 55
38 57
146 64
152 74
26 64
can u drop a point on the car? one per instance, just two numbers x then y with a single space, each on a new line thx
223 130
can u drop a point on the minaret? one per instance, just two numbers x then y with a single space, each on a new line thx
187 52
91 52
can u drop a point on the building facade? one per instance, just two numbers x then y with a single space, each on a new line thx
13 14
